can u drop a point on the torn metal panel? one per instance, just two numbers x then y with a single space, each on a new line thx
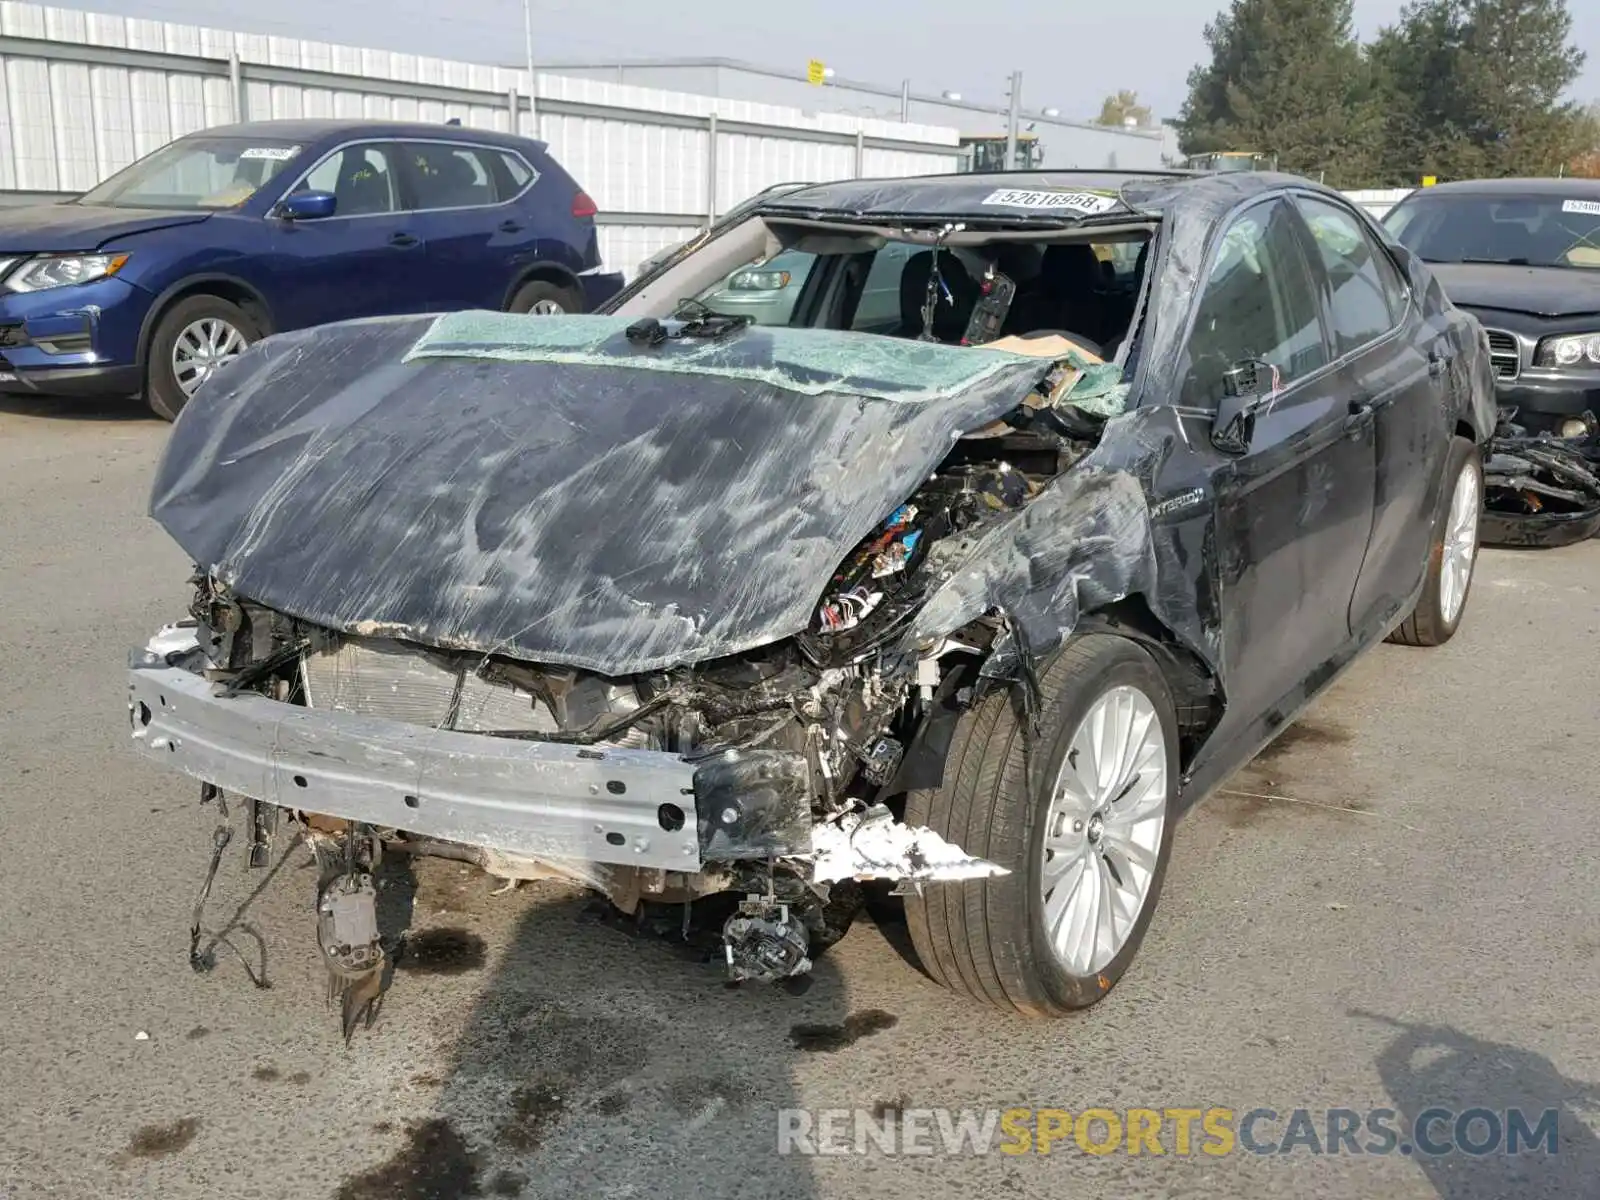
541 509
1086 541
873 845
753 804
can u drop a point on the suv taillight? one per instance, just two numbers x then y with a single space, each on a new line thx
583 206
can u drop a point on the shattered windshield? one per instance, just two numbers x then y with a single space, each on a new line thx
1528 231
814 361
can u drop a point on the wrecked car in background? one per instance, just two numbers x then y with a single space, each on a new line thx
1523 256
1541 490
696 610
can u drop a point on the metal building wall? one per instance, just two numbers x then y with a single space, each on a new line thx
1067 144
84 94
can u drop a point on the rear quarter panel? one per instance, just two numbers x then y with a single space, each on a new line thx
574 242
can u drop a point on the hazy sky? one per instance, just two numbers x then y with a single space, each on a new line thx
1071 52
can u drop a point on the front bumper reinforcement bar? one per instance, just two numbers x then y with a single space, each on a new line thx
641 808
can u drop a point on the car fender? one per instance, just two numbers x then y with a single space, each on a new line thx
542 268
1474 397
198 283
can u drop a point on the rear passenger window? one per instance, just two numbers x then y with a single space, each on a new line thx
518 173
1363 280
444 176
1259 302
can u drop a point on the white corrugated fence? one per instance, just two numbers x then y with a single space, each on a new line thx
1378 201
84 94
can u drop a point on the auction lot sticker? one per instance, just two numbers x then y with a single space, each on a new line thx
1090 203
1589 207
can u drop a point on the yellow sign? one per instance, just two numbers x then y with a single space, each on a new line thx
815 72
1429 180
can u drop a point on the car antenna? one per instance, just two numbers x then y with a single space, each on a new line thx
935 284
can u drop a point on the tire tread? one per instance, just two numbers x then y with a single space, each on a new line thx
965 933
1424 626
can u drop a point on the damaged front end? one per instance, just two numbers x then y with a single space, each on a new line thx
774 774
1541 490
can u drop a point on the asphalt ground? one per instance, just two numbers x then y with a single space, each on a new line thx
1413 922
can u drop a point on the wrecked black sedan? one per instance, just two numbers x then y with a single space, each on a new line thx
970 597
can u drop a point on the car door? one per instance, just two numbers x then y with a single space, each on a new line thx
1294 511
366 260
1394 362
473 237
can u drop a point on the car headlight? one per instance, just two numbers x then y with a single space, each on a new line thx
1569 350
759 281
63 270
1574 428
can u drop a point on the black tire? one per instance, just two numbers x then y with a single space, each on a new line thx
161 391
539 291
1427 625
986 938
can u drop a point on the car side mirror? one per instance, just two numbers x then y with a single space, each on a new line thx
308 206
1247 386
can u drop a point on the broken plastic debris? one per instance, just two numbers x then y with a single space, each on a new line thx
141 1036
873 845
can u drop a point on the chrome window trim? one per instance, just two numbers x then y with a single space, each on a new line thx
533 175
1374 247
1213 250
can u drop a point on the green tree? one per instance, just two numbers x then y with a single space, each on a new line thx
1117 108
1286 77
1587 161
1474 88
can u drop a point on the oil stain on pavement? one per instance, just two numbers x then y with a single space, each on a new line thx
825 1039
160 1140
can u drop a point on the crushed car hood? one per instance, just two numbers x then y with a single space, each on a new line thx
547 490
1537 291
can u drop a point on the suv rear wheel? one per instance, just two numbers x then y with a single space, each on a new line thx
545 299
1453 556
193 338
1082 819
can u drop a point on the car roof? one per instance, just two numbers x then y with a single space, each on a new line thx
1549 186
324 129
974 195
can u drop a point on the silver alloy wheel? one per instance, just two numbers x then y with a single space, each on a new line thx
1108 809
547 308
1460 544
201 348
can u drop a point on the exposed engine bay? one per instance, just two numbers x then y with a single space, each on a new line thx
775 776
1541 490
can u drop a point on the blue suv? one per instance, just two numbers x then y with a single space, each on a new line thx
147 283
